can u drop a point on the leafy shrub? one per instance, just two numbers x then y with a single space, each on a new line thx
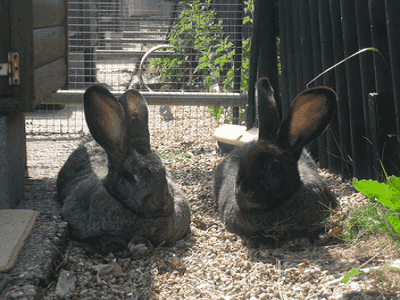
202 51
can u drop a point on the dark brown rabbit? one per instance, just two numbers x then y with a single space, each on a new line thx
271 187
115 185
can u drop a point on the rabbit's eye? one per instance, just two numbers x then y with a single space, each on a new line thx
249 193
131 177
246 192
136 177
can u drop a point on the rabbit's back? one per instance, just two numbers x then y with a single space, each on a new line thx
225 176
86 163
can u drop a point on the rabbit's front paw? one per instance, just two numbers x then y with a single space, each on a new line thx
114 244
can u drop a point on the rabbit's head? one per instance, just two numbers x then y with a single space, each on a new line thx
136 175
269 174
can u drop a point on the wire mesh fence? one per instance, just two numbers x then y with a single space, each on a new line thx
153 46
113 37
56 118
175 122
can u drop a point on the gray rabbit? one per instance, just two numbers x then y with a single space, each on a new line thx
270 188
115 185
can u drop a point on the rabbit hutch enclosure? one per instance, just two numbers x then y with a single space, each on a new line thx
198 64
148 45
158 48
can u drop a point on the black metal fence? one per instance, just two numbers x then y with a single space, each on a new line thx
315 35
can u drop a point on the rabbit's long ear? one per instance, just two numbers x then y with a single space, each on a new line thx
268 115
105 118
308 116
136 119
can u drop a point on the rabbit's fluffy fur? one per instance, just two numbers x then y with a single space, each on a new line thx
271 188
116 185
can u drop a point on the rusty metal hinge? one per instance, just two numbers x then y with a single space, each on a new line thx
11 69
13 59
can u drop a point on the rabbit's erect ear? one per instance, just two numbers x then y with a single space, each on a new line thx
308 116
268 115
136 119
105 118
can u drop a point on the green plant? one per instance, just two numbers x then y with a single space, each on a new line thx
362 222
206 54
386 196
216 112
203 51
198 41
355 272
170 157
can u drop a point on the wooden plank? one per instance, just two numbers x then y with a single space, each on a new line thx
48 13
49 44
50 78
21 41
5 45
393 23
357 127
388 142
325 142
12 159
342 134
235 134
367 79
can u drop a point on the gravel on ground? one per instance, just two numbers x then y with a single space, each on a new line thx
210 263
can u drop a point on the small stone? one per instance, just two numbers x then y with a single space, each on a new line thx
66 283
166 113
263 296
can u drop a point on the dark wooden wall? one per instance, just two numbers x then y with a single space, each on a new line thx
50 44
316 34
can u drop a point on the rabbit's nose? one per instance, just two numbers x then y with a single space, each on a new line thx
160 202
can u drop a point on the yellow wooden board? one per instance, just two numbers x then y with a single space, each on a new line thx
15 227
